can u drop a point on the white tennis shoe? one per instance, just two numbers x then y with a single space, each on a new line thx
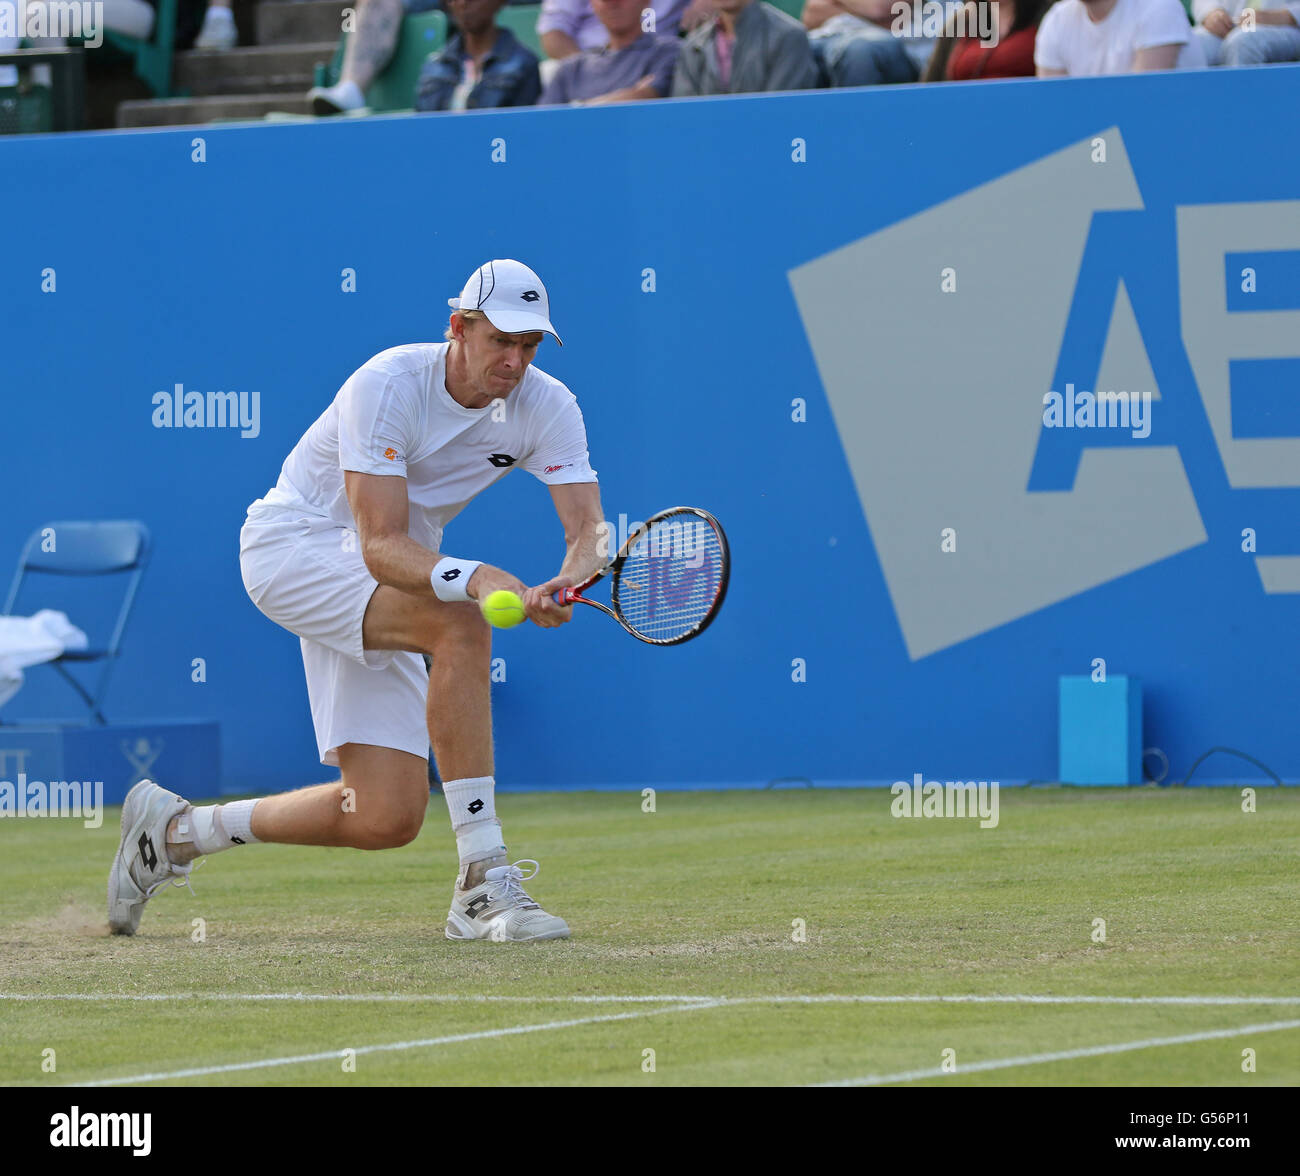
498 908
142 866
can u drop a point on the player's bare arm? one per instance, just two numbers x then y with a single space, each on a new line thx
380 506
351 604
581 515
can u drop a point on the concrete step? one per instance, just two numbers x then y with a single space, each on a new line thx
181 112
261 69
300 21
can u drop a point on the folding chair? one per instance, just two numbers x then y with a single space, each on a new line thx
87 549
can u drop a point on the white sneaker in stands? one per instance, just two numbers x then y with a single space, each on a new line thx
218 31
327 100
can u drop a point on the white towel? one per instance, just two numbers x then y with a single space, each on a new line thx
28 641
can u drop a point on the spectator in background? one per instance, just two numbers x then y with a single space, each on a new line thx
368 51
1215 20
1228 36
962 56
747 47
633 66
8 73
695 14
567 27
867 42
1088 37
131 18
482 65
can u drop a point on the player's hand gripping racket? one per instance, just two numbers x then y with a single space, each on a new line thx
668 580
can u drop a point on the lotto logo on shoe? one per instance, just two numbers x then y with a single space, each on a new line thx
475 805
147 852
477 905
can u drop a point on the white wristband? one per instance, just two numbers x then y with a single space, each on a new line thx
450 577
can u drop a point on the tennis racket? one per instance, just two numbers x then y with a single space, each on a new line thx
668 580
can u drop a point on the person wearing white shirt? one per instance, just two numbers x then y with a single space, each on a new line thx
346 552
1089 37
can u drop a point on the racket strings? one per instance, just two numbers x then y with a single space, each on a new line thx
671 579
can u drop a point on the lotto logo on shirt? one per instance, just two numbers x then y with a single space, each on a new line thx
390 453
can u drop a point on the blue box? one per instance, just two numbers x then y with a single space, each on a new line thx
181 754
1101 730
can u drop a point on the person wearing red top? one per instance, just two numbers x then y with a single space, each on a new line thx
1007 54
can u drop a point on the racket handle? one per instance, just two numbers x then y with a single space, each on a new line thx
564 596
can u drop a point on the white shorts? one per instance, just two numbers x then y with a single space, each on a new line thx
307 574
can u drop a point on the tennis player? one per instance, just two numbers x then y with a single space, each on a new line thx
347 553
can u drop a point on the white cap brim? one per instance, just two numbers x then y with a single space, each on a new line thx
519 322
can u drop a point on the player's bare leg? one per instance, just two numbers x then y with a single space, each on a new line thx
488 901
381 798
378 804
380 801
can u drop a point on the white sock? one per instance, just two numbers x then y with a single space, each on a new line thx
217 15
215 827
472 805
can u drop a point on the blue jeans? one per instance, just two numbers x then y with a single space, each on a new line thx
1262 45
863 59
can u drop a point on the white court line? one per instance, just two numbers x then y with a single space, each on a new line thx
334 1055
359 998
1064 1055
477 998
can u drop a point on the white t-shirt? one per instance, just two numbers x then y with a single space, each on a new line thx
395 417
1069 39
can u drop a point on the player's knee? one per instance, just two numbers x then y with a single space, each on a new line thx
394 829
463 631
405 829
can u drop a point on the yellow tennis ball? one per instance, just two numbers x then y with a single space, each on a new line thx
503 609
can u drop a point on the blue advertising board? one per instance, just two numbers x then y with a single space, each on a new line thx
870 330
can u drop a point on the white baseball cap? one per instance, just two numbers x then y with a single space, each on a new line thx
512 297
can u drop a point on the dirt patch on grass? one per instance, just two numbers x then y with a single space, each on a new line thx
73 918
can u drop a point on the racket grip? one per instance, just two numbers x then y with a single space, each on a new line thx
564 596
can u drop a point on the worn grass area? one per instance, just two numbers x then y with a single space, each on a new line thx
698 899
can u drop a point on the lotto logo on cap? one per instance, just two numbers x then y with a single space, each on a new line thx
512 297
